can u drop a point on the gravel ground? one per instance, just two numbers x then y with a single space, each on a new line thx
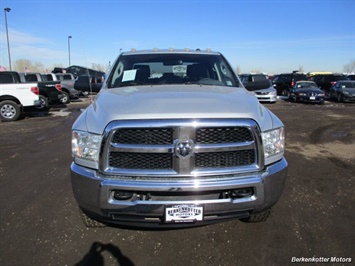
315 218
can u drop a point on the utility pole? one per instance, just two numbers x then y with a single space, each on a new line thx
7 9
69 37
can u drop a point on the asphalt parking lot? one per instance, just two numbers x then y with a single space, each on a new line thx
315 218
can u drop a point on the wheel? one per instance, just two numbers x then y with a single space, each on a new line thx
66 98
286 92
44 103
332 95
258 217
9 111
294 99
339 98
89 222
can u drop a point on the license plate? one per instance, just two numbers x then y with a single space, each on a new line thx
183 213
312 98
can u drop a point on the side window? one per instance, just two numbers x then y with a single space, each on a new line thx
66 76
259 78
50 77
30 77
6 78
282 79
226 75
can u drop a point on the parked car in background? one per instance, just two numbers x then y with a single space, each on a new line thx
306 91
325 81
65 76
49 91
350 77
79 71
260 85
15 95
343 91
87 84
284 82
67 81
48 77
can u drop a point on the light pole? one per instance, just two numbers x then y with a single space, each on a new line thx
7 9
69 37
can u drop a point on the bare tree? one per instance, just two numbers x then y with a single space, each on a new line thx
25 65
349 68
56 65
99 67
238 70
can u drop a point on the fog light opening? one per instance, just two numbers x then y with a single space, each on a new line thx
122 195
241 192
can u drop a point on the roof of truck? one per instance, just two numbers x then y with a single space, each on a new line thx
170 51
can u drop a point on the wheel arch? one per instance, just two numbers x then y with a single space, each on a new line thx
66 90
9 98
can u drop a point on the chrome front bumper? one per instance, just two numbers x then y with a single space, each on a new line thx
267 98
95 195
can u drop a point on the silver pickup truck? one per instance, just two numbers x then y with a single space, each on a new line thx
173 139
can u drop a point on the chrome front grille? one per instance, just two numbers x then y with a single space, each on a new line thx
215 135
147 136
131 160
225 159
156 147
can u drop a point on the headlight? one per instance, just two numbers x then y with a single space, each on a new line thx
274 145
302 94
85 145
345 92
320 94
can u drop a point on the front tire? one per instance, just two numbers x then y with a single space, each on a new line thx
9 111
339 98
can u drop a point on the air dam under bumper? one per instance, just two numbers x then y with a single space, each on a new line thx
96 195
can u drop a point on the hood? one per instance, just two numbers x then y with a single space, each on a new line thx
174 102
309 90
349 90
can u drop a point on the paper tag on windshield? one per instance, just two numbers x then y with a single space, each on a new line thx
129 75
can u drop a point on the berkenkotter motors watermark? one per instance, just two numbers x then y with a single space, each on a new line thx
322 259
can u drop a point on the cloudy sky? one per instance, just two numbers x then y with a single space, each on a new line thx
272 36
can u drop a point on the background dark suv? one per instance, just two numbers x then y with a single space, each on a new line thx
284 82
325 81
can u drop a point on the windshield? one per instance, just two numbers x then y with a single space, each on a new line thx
347 85
306 84
155 69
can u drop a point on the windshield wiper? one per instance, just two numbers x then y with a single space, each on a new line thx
133 83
